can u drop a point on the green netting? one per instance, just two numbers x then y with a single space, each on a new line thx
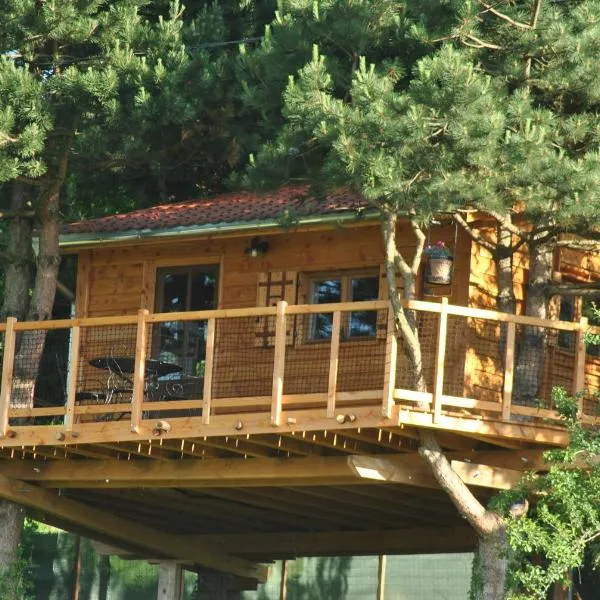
419 577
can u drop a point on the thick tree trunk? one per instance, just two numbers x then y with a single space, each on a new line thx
532 341
490 567
31 343
11 526
506 301
18 277
18 269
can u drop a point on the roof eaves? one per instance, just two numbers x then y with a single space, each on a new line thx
71 240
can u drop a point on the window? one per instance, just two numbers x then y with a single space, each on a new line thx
572 308
181 289
344 287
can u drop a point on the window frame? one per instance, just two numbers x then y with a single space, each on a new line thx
566 341
310 279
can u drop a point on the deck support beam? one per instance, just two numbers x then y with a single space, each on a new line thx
106 524
409 469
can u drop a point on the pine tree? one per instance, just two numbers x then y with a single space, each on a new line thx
500 113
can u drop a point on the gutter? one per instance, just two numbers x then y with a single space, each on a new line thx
71 240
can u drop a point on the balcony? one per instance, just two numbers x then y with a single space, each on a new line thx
290 370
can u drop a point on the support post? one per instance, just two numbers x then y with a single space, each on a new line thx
579 381
391 357
73 367
284 580
440 357
139 370
8 364
381 571
169 581
509 369
278 364
333 363
208 371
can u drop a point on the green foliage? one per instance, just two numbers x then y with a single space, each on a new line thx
564 520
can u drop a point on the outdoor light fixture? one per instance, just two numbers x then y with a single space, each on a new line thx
257 247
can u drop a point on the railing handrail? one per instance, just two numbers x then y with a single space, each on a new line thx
300 309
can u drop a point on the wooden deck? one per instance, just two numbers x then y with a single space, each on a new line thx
300 390
289 446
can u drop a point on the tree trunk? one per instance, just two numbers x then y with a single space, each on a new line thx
18 269
488 525
17 280
11 526
532 341
490 567
506 301
31 343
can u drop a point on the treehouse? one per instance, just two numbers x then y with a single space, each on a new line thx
230 376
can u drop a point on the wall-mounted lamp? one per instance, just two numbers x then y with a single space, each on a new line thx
257 247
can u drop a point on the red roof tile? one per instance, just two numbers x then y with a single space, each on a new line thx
225 208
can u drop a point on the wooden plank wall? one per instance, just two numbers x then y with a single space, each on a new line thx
120 280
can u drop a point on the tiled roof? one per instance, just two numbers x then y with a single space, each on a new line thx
245 207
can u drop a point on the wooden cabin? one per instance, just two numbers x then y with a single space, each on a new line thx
232 358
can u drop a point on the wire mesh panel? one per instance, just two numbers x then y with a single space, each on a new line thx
106 366
39 368
242 366
427 328
484 357
591 399
457 343
539 367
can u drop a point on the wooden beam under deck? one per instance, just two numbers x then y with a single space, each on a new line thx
142 536
420 540
409 469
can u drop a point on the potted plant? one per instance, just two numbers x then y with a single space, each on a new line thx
439 264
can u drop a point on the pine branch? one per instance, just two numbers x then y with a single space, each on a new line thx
480 43
416 261
504 17
17 214
475 235
505 221
586 245
534 19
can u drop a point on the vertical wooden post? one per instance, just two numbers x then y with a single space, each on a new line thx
77 568
279 363
440 357
579 380
391 357
381 571
72 370
139 372
333 363
8 364
170 577
284 580
208 371
509 369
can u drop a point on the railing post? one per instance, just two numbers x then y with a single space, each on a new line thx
579 380
391 356
278 363
509 369
139 372
72 369
333 363
208 371
8 364
440 357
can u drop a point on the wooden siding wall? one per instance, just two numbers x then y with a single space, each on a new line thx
120 280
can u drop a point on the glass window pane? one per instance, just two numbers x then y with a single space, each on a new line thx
323 292
204 285
363 323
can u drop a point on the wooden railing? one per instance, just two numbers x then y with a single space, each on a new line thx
456 342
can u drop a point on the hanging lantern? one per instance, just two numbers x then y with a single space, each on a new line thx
440 264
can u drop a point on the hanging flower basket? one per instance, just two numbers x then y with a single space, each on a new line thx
440 263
